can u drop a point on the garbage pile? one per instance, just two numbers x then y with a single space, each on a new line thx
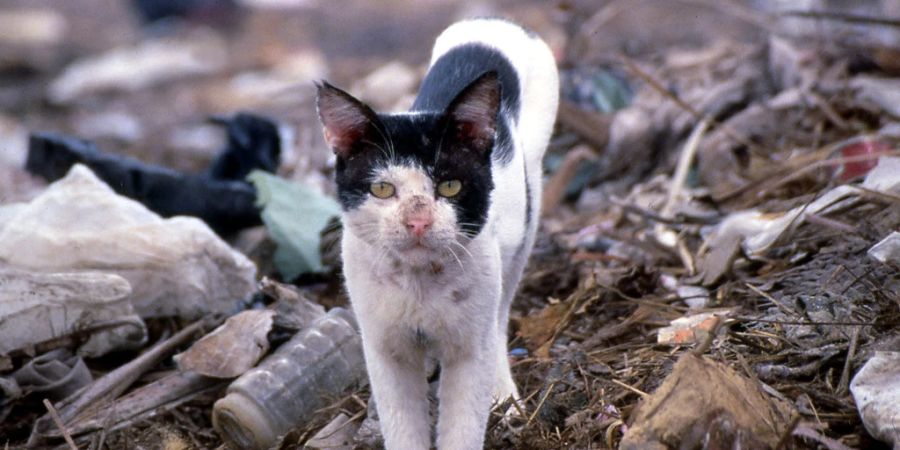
718 264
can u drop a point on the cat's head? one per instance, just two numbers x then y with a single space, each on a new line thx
416 185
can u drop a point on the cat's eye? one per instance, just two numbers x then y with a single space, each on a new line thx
381 189
449 188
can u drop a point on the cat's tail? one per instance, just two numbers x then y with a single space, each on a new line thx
535 67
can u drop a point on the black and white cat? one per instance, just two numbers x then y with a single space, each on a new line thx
440 208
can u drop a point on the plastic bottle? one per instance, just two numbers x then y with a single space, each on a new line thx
287 387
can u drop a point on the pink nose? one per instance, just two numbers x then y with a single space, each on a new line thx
418 225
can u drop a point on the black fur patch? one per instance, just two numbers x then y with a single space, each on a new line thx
455 70
428 138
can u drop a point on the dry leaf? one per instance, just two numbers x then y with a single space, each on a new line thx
537 329
232 348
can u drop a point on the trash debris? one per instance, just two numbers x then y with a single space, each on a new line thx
176 267
293 309
221 197
231 349
785 217
337 435
295 217
291 384
690 329
107 388
131 68
876 390
696 297
39 307
55 374
864 148
756 231
697 388
888 250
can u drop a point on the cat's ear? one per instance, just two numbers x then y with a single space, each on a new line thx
473 113
346 121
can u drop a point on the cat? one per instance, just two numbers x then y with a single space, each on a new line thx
440 208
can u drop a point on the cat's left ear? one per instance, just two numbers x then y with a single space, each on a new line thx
473 113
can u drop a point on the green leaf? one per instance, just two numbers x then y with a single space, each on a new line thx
294 216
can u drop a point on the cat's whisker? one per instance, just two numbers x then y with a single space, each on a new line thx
386 137
457 258
464 249
379 260
387 154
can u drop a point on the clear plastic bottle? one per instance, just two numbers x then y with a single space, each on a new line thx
287 387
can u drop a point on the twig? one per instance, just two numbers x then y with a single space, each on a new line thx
844 384
843 17
347 422
874 192
831 223
652 215
802 322
630 388
555 189
685 160
540 404
802 171
771 299
788 431
59 424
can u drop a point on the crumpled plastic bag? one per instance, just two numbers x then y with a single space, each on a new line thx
56 374
38 307
876 390
176 266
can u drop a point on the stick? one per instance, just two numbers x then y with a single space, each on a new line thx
59 424
844 384
787 432
630 388
842 17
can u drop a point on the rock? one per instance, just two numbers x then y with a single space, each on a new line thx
38 307
176 266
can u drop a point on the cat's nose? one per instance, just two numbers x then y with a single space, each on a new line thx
418 224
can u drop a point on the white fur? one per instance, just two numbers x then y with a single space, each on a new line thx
452 301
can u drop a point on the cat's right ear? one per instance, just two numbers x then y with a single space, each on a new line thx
346 121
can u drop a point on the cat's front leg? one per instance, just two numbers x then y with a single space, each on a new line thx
400 389
465 401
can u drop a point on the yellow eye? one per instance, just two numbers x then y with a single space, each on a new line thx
449 188
381 189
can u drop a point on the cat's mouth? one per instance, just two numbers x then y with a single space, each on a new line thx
417 244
